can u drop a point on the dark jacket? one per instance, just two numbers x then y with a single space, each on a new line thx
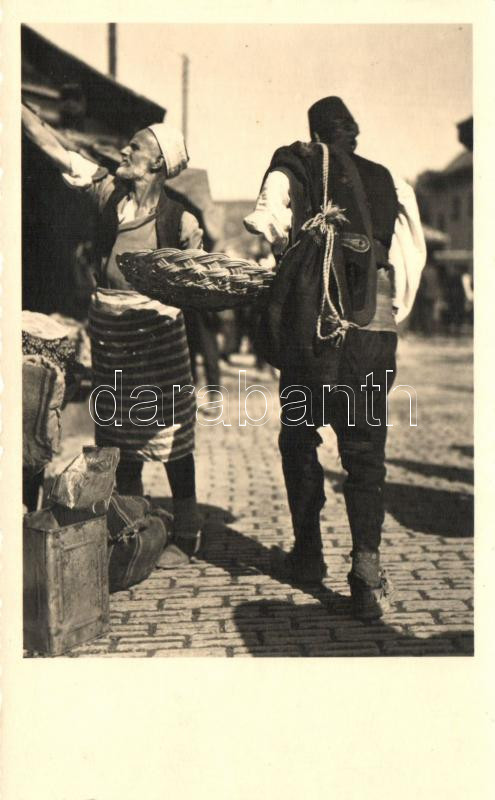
365 192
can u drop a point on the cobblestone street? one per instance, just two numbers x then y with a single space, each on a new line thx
225 603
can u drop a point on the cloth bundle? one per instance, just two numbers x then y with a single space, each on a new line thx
47 372
43 390
58 341
42 335
137 535
88 481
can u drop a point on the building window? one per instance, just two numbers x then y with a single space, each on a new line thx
456 207
441 222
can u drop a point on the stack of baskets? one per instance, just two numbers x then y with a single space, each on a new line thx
195 279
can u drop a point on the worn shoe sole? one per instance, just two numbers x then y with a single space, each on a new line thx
369 603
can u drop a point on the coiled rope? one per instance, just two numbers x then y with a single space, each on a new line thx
326 221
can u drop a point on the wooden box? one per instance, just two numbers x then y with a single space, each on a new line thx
65 600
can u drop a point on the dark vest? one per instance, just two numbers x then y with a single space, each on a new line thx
302 163
168 223
382 198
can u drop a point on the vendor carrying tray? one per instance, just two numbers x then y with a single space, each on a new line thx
195 279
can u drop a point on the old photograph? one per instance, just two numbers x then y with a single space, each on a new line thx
247 340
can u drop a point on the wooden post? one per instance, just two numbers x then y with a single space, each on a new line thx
112 49
185 94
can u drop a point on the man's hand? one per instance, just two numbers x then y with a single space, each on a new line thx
43 136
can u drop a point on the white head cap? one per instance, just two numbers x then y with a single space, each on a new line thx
171 143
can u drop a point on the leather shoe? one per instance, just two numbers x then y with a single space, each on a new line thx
293 568
371 591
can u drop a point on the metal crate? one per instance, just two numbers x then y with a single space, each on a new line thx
66 599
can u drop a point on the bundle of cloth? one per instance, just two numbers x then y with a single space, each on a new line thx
48 379
45 336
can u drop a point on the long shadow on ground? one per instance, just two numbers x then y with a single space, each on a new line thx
464 449
446 471
322 626
238 554
424 509
274 628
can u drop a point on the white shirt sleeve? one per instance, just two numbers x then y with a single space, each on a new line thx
272 216
407 253
191 235
82 171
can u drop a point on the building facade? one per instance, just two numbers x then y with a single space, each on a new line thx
445 197
445 298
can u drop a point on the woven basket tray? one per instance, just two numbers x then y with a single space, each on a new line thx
195 279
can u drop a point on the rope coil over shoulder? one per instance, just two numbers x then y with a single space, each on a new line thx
327 221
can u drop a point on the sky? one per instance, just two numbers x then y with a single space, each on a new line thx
251 85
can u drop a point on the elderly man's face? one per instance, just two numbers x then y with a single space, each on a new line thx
140 158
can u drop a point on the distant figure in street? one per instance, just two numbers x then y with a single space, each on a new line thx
266 259
467 285
369 296
455 299
202 328
423 316
143 339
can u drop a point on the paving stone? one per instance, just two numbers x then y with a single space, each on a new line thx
187 628
416 647
430 631
136 605
150 644
228 591
159 593
340 649
108 654
193 602
402 594
258 625
227 639
368 633
460 618
218 651
444 594
133 628
293 636
418 618
271 652
434 605
177 615
216 614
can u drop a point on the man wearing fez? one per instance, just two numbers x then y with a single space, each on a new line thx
380 270
142 338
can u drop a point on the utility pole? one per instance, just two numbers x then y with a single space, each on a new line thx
185 94
112 49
